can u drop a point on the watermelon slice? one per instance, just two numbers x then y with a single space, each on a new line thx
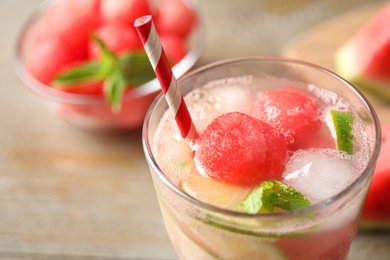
365 59
376 213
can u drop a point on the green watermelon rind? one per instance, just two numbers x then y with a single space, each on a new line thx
347 67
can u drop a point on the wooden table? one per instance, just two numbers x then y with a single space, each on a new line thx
67 193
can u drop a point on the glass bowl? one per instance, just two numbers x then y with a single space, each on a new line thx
93 111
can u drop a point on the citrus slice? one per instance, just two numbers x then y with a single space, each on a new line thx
214 192
343 126
203 241
228 197
230 246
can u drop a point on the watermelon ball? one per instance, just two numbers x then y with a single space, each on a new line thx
174 17
241 150
68 21
125 11
292 112
118 37
48 58
174 48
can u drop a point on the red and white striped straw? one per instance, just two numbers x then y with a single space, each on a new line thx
151 42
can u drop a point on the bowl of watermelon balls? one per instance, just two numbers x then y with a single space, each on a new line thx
86 58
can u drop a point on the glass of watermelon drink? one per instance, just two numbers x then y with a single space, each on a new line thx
281 166
57 38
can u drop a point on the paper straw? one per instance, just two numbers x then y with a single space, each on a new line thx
151 42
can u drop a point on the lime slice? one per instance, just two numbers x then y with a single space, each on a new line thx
206 242
228 197
195 245
214 192
343 125
236 246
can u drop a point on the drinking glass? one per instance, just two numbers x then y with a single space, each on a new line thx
323 230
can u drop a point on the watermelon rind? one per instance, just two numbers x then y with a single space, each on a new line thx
363 60
345 64
347 67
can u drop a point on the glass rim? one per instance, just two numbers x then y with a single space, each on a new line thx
318 205
197 44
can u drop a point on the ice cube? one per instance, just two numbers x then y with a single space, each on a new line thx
202 115
319 173
230 98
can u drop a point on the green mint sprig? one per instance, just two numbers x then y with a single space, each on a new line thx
118 72
273 194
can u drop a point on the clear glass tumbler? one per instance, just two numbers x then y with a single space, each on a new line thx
323 230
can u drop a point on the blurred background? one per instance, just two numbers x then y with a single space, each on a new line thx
66 193
263 27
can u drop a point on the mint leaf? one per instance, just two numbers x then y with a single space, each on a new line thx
114 87
136 68
108 60
253 202
274 194
284 197
85 72
91 71
116 72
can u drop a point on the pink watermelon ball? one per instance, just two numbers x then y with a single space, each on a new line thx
377 207
70 21
45 60
60 37
292 112
174 47
124 11
118 37
242 150
174 17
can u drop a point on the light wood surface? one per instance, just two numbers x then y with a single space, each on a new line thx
67 193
